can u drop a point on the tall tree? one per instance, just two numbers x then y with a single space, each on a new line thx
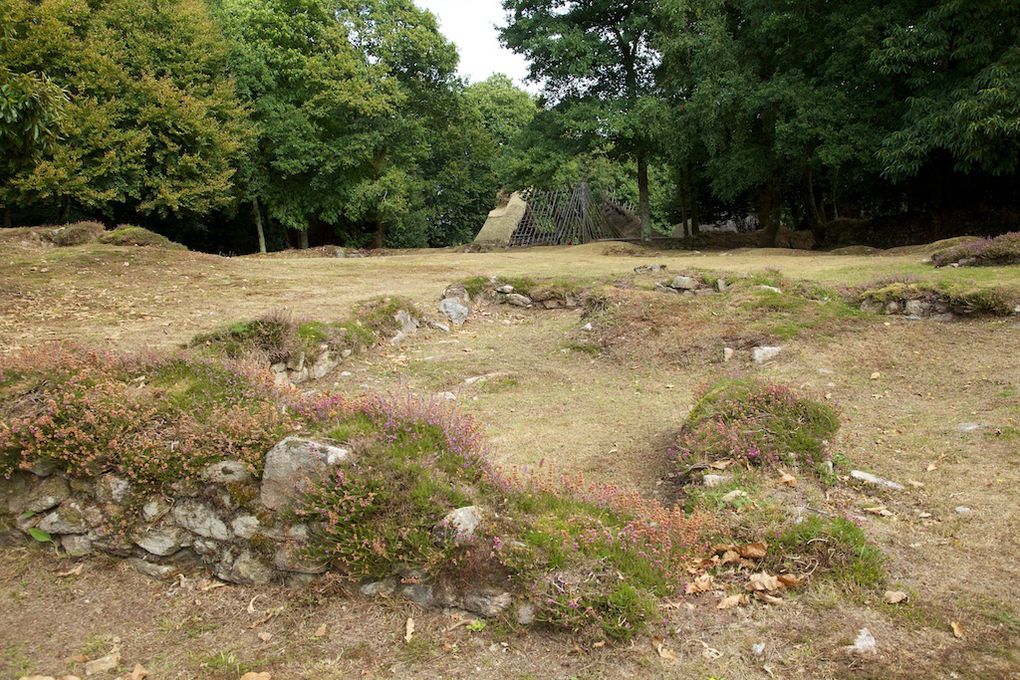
596 54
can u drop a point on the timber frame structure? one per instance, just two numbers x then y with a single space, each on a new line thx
562 217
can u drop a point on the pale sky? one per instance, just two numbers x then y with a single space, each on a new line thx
471 24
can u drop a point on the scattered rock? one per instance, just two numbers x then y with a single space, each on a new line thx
155 509
422 594
226 472
70 518
246 569
435 325
728 354
758 649
869 478
684 283
734 497
112 489
505 289
771 289
761 355
713 481
518 300
323 366
721 285
460 525
384 588
963 510
103 664
587 328
76 546
35 498
864 645
456 311
526 614
458 292
446 396
245 526
291 557
292 465
487 602
970 427
650 269
157 571
162 542
200 519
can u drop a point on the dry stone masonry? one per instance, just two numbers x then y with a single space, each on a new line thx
232 524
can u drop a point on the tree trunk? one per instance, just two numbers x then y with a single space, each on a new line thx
65 210
258 225
303 236
768 215
692 192
379 238
7 218
819 218
644 199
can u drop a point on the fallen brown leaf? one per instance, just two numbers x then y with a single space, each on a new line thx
74 571
895 596
408 630
790 580
763 582
732 601
702 584
139 672
754 551
205 585
256 676
771 599
788 479
730 557
320 631
265 637
879 510
957 630
665 653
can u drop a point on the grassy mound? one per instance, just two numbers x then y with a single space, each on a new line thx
755 423
127 235
78 233
276 337
957 297
999 251
589 559
765 308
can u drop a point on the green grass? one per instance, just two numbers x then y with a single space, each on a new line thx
844 553
127 235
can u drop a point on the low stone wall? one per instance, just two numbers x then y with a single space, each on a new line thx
235 526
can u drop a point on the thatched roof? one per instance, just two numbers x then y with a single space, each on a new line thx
503 222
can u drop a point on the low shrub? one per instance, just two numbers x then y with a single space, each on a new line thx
128 235
839 548
755 423
155 420
998 251
77 233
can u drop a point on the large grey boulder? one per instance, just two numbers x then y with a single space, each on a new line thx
295 464
292 557
71 518
455 310
199 518
518 300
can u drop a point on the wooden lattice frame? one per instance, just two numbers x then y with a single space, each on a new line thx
561 217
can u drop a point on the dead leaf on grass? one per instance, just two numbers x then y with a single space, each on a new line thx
251 604
75 571
256 676
702 584
790 580
895 596
720 464
205 585
957 630
320 631
408 630
665 653
771 599
753 551
733 601
879 510
763 582
265 637
729 557
788 479
139 672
